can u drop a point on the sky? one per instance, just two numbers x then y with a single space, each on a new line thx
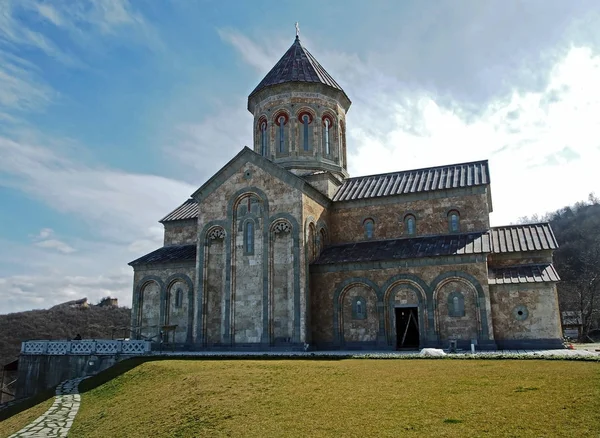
113 112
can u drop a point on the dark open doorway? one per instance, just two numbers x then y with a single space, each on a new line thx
407 328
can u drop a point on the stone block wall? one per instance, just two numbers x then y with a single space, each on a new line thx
526 315
182 232
388 213
429 286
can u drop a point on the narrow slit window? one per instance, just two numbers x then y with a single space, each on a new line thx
359 309
369 228
249 238
178 297
454 222
411 225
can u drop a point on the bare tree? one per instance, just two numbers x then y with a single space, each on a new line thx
580 288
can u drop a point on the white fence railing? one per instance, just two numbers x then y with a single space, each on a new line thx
86 347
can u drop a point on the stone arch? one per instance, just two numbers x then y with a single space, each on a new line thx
206 246
353 329
295 254
282 147
248 271
390 290
148 310
183 335
337 304
477 294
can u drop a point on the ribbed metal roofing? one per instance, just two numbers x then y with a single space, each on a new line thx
414 181
297 65
523 274
166 254
517 238
536 237
187 210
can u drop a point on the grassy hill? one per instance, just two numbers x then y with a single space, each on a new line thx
60 322
253 398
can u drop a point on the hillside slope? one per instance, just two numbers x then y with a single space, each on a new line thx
60 322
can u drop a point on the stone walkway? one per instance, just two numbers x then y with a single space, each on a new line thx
57 420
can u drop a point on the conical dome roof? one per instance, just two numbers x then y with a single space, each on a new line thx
297 65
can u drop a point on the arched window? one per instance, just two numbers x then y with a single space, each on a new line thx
305 132
263 139
249 237
369 225
326 126
453 221
178 297
359 308
456 304
410 224
281 122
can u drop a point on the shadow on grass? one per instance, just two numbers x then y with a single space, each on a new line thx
27 403
128 364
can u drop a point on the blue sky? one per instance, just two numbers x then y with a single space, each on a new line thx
113 112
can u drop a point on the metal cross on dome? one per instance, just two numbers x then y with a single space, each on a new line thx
297 30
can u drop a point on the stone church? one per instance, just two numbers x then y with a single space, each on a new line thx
282 249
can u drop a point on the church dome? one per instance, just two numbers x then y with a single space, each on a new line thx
300 117
297 65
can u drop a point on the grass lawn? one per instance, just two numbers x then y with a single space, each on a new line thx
19 421
350 398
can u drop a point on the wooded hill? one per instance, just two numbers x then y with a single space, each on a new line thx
61 322
577 230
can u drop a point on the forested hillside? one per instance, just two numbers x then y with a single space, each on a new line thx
577 230
61 322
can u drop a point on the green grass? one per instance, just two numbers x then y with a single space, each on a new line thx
18 421
253 398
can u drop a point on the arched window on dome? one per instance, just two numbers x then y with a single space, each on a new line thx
281 121
306 119
263 138
326 136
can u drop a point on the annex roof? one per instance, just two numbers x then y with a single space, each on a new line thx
167 254
297 65
414 181
535 237
187 210
522 274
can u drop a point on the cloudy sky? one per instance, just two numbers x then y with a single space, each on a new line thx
113 112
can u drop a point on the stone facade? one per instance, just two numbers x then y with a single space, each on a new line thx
280 249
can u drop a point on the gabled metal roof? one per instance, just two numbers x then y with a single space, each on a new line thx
446 245
522 274
187 210
167 254
297 65
414 181
517 238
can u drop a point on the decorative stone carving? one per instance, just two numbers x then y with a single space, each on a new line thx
282 227
216 233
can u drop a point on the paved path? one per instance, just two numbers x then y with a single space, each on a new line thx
57 420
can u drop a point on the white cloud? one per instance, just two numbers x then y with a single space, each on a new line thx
56 245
